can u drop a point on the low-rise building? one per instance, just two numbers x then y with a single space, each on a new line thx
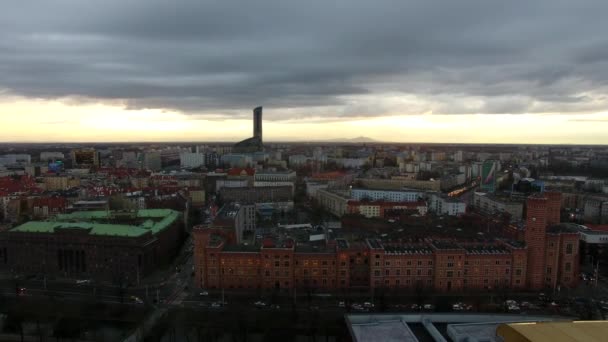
334 201
404 195
491 204
441 204
116 246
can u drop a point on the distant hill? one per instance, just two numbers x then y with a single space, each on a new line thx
357 140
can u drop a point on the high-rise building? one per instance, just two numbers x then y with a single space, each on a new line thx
488 176
188 159
255 143
257 123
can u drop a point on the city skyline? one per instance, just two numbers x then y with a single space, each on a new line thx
410 71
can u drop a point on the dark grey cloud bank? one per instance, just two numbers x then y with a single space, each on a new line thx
223 57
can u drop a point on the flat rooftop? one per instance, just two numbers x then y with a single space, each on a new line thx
564 228
486 249
386 331
445 245
407 249
242 248
587 331
103 223
436 326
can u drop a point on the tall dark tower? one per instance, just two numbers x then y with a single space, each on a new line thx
257 123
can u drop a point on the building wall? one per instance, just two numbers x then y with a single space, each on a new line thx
54 183
490 205
188 159
397 184
257 194
484 272
449 270
554 201
386 195
441 205
335 203
535 236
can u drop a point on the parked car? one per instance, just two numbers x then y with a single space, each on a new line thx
137 300
260 304
461 307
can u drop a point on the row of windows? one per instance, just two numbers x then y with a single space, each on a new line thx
398 263
397 282
398 272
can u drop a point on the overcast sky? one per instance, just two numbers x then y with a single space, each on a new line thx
468 71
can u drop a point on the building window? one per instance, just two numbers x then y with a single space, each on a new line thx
569 248
567 267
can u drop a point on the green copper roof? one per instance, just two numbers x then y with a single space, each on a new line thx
157 221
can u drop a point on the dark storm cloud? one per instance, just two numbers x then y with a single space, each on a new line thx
223 57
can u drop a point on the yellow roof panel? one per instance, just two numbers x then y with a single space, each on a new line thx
583 331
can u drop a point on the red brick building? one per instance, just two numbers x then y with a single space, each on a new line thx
547 258
552 249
